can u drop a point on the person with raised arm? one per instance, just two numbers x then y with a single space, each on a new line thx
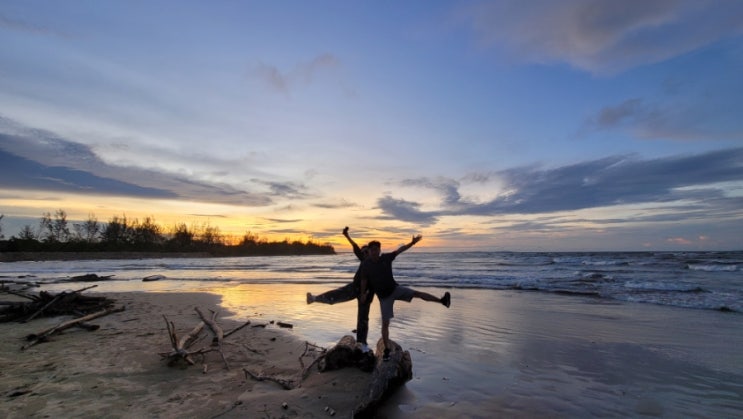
376 274
349 292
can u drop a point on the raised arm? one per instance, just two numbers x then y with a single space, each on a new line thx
356 248
405 247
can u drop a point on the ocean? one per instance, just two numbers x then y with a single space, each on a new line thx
608 334
694 280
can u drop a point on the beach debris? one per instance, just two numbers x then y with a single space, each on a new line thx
386 378
43 336
46 304
153 278
285 325
290 384
347 353
181 346
330 410
285 405
88 278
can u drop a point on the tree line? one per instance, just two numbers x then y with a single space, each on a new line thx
120 234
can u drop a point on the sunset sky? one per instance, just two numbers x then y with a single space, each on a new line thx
483 125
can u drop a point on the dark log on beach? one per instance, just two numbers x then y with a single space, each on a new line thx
88 278
57 298
386 378
347 353
35 338
50 305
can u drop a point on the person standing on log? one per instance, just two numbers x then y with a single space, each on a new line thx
376 272
349 292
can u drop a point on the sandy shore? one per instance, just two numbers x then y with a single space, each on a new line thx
117 371
502 354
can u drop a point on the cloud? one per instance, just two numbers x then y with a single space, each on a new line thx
289 190
283 221
302 74
447 188
400 209
603 37
612 181
22 26
37 160
707 118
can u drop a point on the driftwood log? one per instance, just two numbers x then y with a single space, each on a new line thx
46 304
42 336
181 347
386 378
347 353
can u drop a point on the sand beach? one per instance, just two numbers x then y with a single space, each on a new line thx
116 371
505 354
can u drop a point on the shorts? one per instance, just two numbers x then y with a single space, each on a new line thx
387 304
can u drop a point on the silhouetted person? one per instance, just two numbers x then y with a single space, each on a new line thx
350 292
376 272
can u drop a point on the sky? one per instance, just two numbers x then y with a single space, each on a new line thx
499 125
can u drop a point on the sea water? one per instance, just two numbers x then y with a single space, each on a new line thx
696 280
528 335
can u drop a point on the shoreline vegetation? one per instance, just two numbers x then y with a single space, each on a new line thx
122 238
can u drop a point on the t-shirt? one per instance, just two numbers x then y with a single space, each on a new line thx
379 274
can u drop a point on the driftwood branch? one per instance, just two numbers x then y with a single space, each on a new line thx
285 384
216 331
35 338
289 384
226 335
181 346
54 300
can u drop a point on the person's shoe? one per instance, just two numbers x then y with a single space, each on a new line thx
310 298
386 356
364 348
446 299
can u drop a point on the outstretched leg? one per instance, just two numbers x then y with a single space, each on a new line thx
445 300
338 295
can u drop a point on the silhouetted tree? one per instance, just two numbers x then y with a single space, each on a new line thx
27 233
115 233
210 236
88 230
182 236
54 230
146 234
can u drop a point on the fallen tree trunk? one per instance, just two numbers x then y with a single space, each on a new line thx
386 378
347 353
35 338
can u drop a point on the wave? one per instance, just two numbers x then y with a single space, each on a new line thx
713 267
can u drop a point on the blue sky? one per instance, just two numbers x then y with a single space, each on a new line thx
495 125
